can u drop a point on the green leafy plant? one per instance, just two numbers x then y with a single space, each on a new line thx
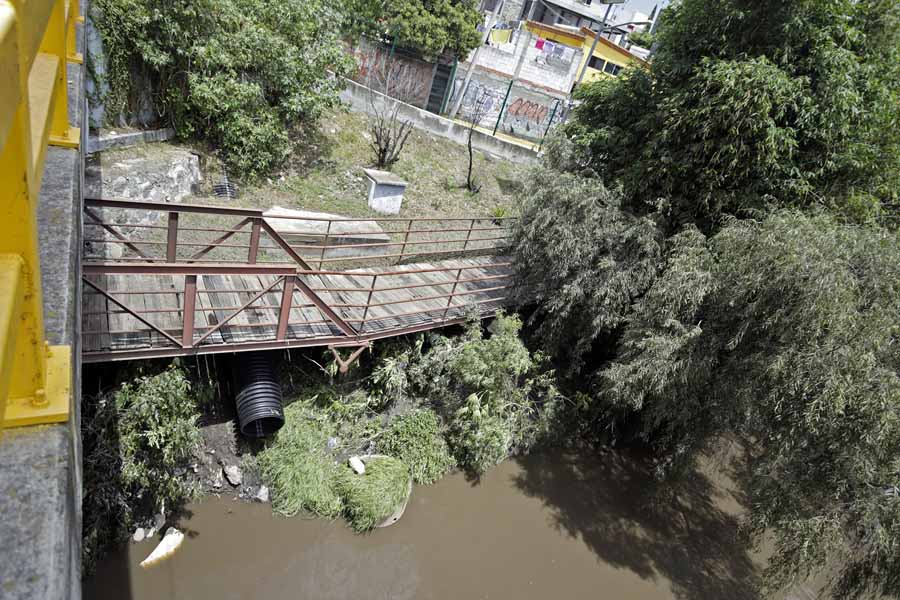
430 27
138 442
416 439
373 496
479 435
496 397
798 113
238 74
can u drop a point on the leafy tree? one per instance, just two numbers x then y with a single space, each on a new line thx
644 39
429 26
783 332
236 73
753 105
581 260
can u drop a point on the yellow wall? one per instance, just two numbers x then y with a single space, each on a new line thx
605 50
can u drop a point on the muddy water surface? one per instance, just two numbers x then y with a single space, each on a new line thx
551 526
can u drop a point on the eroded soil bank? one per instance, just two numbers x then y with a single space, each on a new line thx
565 525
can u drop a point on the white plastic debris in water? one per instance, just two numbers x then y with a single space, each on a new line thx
357 465
166 548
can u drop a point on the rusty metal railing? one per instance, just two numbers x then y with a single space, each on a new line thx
247 236
189 301
290 307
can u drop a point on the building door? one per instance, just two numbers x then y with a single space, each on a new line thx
439 85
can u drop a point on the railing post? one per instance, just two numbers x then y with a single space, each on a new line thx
190 303
362 326
254 241
74 16
34 377
54 43
452 291
468 235
172 240
405 239
284 313
325 245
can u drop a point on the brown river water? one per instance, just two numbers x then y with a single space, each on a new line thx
549 526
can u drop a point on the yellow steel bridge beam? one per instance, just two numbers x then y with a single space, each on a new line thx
36 39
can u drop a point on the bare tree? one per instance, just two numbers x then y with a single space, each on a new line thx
390 84
474 115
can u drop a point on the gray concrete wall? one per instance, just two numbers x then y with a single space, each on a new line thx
40 467
539 94
356 97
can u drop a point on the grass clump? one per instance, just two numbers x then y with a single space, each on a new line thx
299 468
416 440
373 496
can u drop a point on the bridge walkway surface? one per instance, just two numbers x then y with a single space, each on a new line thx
265 293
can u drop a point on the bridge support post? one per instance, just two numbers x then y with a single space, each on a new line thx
344 365
284 313
254 241
172 238
362 326
190 305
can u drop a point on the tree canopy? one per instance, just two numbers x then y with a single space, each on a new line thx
711 252
429 26
750 105
237 73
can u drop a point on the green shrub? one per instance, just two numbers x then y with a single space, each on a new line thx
238 74
138 443
299 467
416 440
480 437
497 398
373 496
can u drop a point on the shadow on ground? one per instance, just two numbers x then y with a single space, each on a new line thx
607 501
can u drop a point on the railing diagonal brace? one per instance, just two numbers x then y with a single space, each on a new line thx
219 240
129 311
238 311
325 309
282 243
115 233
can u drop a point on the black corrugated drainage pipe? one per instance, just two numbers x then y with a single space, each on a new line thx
259 406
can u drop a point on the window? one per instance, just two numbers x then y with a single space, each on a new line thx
611 68
596 63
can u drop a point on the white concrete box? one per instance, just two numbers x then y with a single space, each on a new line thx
385 191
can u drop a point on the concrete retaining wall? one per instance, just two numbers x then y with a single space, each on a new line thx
356 96
108 140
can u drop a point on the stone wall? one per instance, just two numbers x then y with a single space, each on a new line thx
156 173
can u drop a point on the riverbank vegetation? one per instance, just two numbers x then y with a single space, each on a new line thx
247 76
431 404
138 440
711 251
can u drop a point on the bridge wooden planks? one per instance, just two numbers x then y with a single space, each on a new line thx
206 316
96 315
223 293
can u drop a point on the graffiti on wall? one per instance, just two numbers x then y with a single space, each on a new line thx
396 75
527 114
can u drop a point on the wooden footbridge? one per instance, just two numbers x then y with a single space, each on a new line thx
179 279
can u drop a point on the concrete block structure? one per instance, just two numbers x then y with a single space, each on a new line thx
385 191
